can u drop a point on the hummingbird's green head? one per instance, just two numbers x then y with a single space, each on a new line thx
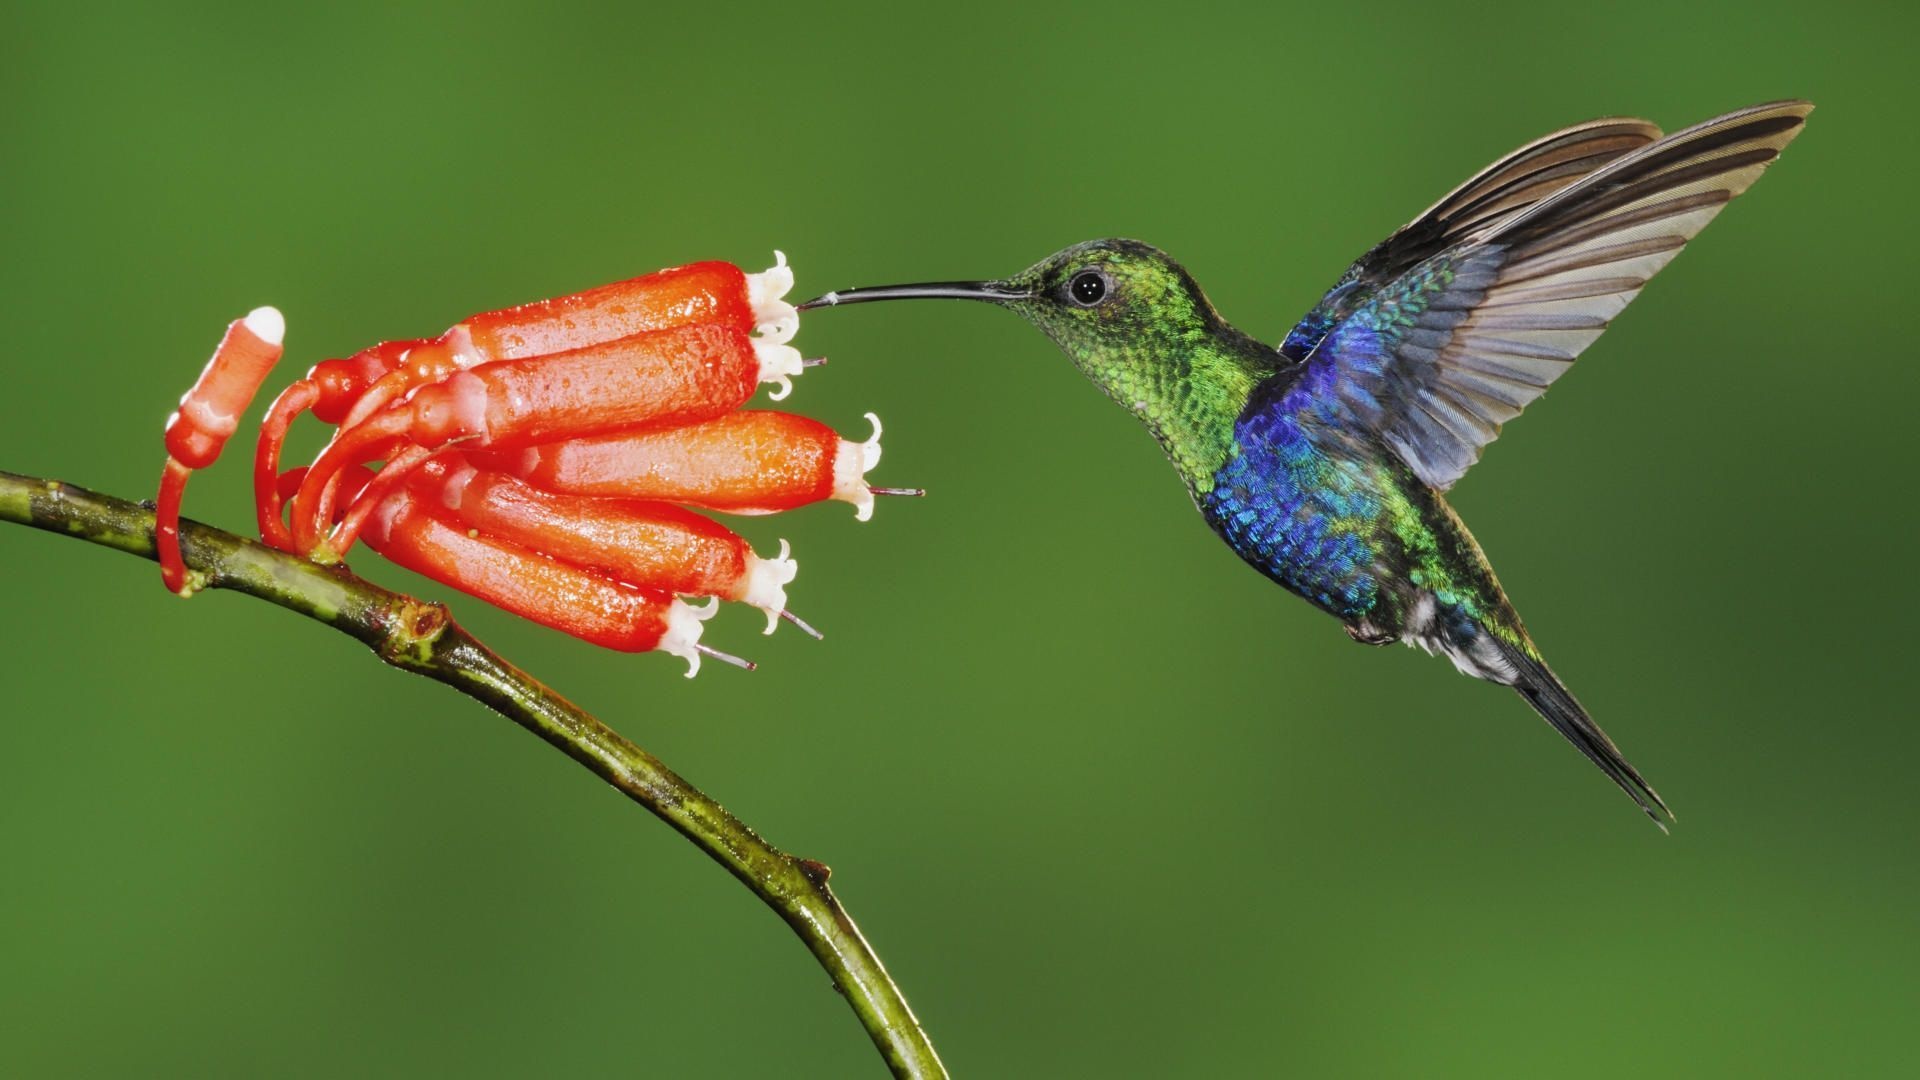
1105 298
1133 320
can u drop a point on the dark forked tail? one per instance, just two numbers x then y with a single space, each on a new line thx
1551 699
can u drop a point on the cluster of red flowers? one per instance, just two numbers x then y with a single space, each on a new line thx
544 457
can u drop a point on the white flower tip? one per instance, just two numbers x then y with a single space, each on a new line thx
779 364
851 464
684 625
267 324
870 450
767 581
774 319
789 568
778 325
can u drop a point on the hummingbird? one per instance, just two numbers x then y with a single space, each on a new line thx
1324 462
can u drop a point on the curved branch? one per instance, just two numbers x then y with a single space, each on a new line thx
424 639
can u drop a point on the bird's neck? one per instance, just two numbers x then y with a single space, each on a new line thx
1187 391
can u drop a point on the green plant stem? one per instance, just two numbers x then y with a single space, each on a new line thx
422 638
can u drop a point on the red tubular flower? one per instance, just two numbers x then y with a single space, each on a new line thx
749 462
709 293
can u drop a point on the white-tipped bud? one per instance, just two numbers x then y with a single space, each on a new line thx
267 324
684 624
774 319
851 464
767 581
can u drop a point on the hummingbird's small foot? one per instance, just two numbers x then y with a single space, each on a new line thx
1369 635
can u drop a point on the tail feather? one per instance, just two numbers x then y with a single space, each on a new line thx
1554 702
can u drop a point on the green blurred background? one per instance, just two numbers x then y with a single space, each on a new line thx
1106 802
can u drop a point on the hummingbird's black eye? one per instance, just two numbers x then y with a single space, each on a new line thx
1089 287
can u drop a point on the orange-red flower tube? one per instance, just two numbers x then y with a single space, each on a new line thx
748 462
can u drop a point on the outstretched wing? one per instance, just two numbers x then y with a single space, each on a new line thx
1522 178
1437 359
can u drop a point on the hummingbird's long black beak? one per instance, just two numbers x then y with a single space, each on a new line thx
990 291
